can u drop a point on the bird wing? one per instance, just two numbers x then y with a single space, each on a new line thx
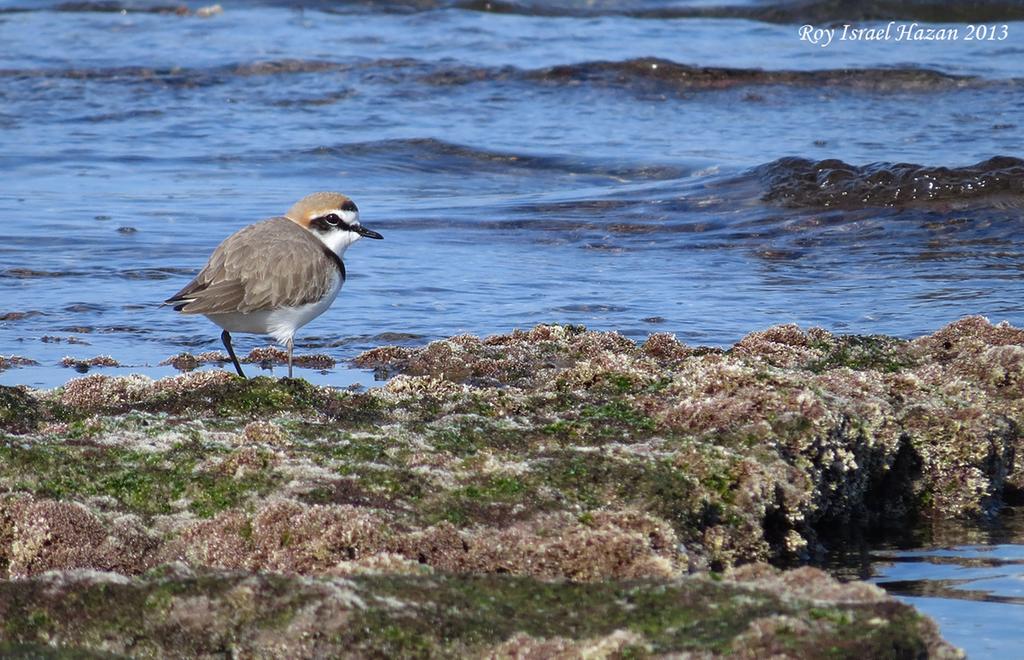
274 263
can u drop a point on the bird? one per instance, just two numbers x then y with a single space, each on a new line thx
277 275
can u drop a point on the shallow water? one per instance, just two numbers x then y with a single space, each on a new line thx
979 608
970 580
617 166
689 167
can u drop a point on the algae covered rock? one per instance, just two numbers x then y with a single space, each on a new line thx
507 451
535 466
175 611
20 410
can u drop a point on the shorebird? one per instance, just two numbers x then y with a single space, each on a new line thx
275 276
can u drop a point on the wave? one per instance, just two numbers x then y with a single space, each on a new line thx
179 76
797 11
641 75
103 7
798 182
645 74
815 11
682 77
433 155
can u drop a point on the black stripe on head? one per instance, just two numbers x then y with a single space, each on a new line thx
328 222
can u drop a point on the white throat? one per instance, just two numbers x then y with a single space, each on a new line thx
337 241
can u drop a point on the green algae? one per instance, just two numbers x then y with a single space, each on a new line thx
489 499
207 395
259 396
594 480
616 420
19 410
398 484
862 353
672 618
41 651
465 434
461 441
142 482
330 444
133 617
436 616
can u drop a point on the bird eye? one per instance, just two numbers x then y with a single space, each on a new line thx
333 219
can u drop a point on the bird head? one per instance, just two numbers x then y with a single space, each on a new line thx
331 217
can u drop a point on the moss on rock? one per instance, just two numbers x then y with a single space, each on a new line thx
174 611
554 454
20 410
749 454
136 481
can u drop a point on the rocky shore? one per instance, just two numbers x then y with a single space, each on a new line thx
551 492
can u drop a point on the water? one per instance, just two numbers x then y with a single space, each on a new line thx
639 166
970 580
974 593
611 166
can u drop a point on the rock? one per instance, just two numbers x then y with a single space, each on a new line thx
180 612
527 470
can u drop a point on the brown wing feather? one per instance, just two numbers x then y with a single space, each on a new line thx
244 273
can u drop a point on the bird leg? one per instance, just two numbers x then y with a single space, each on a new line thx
291 345
226 338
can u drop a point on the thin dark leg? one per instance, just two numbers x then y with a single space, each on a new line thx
226 338
291 345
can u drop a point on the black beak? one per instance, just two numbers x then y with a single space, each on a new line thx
368 233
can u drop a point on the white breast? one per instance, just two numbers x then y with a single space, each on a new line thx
280 323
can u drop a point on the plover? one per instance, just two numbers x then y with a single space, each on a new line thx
275 276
